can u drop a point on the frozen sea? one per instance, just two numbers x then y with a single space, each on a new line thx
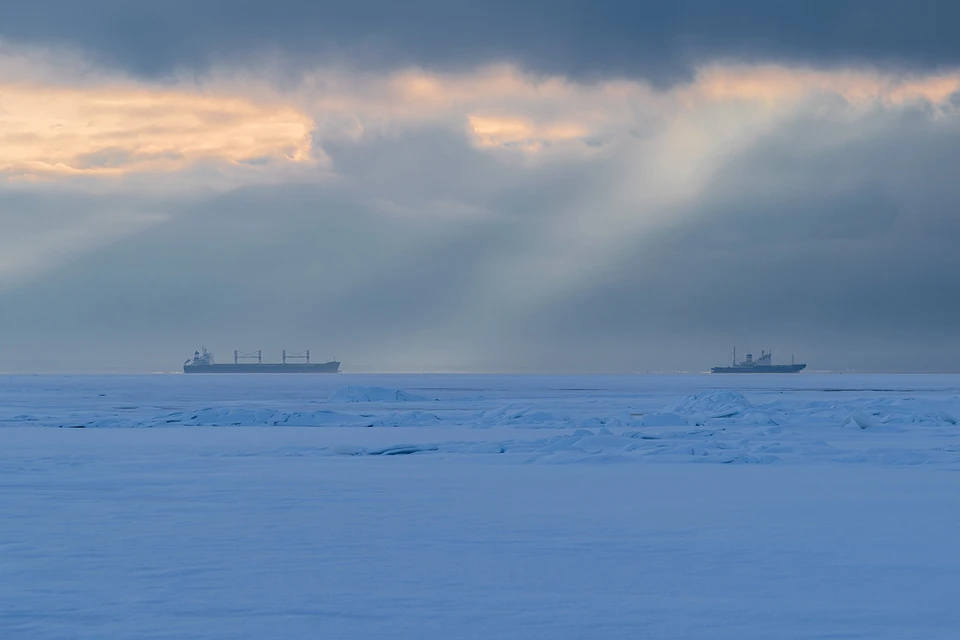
455 506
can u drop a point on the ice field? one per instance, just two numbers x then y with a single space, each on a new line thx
431 506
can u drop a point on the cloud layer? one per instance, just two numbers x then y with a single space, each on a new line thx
477 216
115 130
581 38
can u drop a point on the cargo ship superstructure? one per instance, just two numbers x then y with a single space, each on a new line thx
763 364
202 362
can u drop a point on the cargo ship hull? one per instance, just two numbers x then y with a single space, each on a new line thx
777 368
763 364
325 367
203 363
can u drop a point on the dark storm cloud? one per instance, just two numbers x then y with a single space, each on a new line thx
657 40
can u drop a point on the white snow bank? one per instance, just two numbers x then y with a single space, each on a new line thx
523 417
407 419
666 419
238 417
373 394
860 419
713 404
679 419
137 534
727 405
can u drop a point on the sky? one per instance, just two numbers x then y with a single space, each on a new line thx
453 186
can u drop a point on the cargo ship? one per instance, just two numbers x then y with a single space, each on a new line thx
202 362
763 364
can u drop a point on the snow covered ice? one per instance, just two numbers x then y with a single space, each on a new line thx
427 506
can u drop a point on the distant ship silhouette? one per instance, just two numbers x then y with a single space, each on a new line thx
203 363
763 364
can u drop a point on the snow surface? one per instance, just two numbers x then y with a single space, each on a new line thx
347 506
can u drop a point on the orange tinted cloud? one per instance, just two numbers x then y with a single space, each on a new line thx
770 83
52 126
114 130
492 131
503 107
498 106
